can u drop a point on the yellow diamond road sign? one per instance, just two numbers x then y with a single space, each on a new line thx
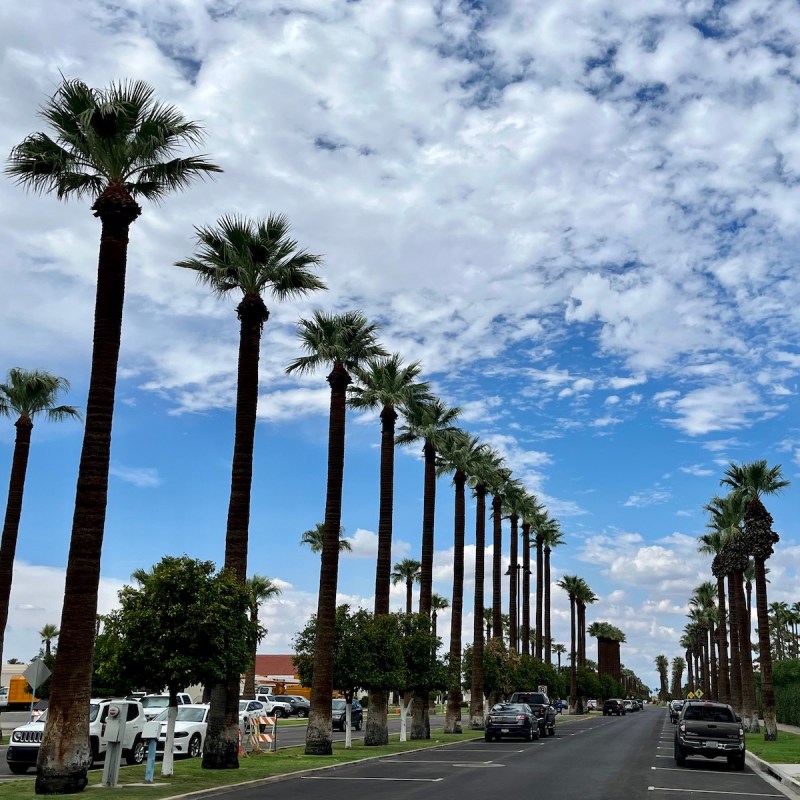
698 694
690 695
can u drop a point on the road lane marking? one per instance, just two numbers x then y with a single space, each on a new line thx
343 778
707 772
709 791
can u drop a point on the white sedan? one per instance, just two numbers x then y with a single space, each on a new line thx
190 730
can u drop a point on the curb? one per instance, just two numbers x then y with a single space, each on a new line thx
786 780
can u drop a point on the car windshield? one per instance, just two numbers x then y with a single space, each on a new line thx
708 714
155 702
339 705
185 714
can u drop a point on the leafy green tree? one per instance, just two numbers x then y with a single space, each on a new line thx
25 394
341 342
112 145
184 625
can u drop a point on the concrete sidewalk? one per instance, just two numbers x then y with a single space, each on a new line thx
787 774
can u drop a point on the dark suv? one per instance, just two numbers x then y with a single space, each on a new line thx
299 704
613 706
541 707
339 717
710 730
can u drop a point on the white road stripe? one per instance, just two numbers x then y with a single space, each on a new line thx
707 772
342 778
708 791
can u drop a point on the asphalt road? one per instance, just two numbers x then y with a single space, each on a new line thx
592 758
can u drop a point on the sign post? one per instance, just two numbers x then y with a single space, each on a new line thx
36 674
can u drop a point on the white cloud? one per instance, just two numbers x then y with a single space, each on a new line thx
143 477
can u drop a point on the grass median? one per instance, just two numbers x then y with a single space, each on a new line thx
191 777
784 750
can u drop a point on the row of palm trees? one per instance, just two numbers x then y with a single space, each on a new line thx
740 538
784 624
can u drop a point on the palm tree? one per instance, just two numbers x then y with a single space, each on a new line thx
111 145
482 475
498 486
438 603
678 665
384 385
407 571
530 512
343 342
559 649
751 482
431 422
662 665
252 258
571 584
583 597
25 394
551 537
47 634
539 524
261 590
314 538
512 504
703 600
461 456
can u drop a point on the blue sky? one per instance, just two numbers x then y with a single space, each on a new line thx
581 219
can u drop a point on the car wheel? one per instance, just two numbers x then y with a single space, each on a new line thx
303 712
487 737
195 746
551 731
737 763
680 757
137 753
18 769
535 734
359 722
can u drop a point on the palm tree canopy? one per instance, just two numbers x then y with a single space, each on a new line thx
315 536
754 479
386 382
430 421
571 584
27 393
329 339
461 453
262 589
405 570
253 257
439 603
102 136
605 630
48 632
485 471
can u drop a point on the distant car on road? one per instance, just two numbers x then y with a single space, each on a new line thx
675 707
591 705
511 719
711 730
298 703
613 706
339 714
542 708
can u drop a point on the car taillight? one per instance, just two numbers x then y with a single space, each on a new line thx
682 726
521 718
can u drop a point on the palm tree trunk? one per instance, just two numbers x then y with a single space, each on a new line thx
250 675
8 544
539 595
690 673
736 661
573 669
476 721
452 720
548 639
420 724
318 733
724 683
221 748
64 755
409 594
513 575
767 687
377 730
526 588
497 552
749 708
712 656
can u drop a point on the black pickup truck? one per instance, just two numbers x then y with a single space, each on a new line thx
711 730
542 708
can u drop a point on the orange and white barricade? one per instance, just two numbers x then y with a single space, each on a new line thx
263 734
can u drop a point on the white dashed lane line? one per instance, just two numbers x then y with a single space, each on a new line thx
709 791
344 778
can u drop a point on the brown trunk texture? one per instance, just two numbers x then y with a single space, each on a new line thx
497 585
736 661
767 686
452 719
526 588
548 639
476 721
513 573
724 683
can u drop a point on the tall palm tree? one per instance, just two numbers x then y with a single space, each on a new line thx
315 537
662 665
583 597
551 537
261 589
530 511
499 484
461 456
430 422
571 584
752 482
678 665
558 650
251 258
407 571
513 498
384 385
704 600
539 524
341 342
25 394
111 145
438 603
47 634
482 475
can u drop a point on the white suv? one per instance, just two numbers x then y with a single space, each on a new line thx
276 707
154 704
23 749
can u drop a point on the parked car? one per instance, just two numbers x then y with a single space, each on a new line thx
542 709
23 748
190 730
298 703
511 719
591 705
630 706
614 706
711 730
675 707
339 712
274 706
3 696
153 704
